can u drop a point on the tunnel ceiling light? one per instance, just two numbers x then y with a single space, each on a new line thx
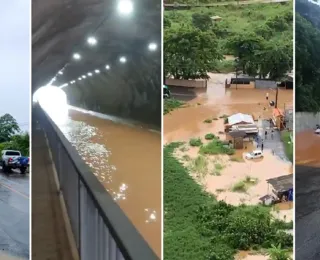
84 76
79 78
97 71
76 56
89 74
92 41
152 46
125 7
60 72
107 67
123 59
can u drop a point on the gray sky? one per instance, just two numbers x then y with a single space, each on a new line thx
15 60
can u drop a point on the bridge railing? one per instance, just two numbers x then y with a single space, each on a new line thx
100 228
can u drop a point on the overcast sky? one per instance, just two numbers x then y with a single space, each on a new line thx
15 60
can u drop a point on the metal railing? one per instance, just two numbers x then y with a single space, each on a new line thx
100 228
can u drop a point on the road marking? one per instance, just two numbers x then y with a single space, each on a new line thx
18 192
305 161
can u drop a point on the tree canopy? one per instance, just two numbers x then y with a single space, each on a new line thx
195 45
190 53
307 51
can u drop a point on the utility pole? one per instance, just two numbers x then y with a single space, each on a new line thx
276 104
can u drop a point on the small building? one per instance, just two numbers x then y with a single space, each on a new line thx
216 18
237 138
241 122
278 118
282 187
240 119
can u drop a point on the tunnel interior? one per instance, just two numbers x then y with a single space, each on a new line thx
105 54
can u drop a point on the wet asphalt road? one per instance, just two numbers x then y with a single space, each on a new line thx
307 213
14 214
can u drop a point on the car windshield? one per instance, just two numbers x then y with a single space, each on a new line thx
12 153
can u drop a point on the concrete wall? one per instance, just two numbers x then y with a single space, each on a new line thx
135 97
187 83
262 84
306 120
243 86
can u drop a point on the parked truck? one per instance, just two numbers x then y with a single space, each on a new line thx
11 159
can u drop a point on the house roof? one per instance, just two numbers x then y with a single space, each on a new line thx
238 118
236 134
282 183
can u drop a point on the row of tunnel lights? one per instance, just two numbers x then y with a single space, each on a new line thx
124 7
152 47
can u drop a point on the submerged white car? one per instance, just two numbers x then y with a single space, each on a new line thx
317 131
254 155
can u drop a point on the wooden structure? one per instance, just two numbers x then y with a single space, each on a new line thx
237 139
278 119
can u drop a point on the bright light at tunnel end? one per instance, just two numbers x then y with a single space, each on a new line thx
152 46
123 59
125 7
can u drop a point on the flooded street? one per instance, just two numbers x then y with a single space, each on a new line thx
127 160
184 123
307 148
215 103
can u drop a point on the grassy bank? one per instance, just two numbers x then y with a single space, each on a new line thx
288 144
196 226
235 21
171 104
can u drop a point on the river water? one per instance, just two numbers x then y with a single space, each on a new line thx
126 159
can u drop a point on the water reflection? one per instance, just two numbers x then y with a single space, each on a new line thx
123 158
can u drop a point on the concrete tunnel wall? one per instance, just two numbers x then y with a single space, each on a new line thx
59 27
137 98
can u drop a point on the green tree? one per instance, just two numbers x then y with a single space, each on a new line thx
8 127
201 21
277 253
245 46
190 53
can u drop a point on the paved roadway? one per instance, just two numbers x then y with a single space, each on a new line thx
307 213
14 215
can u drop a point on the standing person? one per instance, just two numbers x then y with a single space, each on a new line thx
267 96
272 134
262 147
265 134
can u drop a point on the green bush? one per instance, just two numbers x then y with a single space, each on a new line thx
209 136
195 142
171 104
207 121
216 147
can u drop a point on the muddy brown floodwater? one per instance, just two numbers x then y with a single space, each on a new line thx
188 122
184 123
307 148
127 161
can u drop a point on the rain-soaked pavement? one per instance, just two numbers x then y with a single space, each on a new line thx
126 159
14 215
307 195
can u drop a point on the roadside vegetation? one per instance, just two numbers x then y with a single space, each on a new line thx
171 104
197 226
257 35
288 144
307 73
11 137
